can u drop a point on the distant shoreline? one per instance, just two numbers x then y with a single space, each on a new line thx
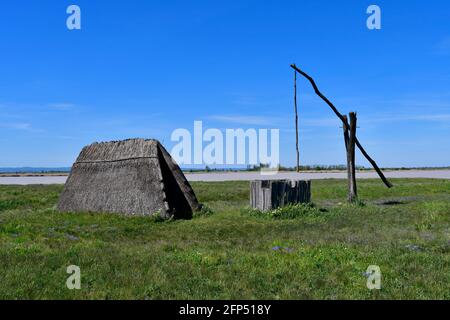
250 176
220 171
34 174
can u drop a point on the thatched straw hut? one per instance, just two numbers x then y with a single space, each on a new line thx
133 177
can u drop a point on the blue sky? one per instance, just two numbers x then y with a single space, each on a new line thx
146 68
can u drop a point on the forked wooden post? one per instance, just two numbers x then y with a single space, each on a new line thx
351 166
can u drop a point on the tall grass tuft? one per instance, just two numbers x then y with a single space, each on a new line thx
291 211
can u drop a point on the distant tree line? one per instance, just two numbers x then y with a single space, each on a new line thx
339 167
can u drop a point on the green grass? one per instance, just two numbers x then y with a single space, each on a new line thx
315 253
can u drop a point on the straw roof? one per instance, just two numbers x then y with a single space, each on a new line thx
133 177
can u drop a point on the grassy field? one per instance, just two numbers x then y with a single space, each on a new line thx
232 254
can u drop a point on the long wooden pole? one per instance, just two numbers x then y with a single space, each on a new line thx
345 122
296 121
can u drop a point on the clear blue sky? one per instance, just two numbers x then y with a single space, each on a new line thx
145 68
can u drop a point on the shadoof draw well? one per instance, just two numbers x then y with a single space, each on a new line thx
132 177
350 139
266 195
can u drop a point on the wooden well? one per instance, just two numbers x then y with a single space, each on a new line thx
271 194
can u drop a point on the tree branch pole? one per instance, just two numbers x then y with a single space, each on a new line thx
345 122
296 121
346 136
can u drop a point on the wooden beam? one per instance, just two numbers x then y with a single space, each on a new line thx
345 123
